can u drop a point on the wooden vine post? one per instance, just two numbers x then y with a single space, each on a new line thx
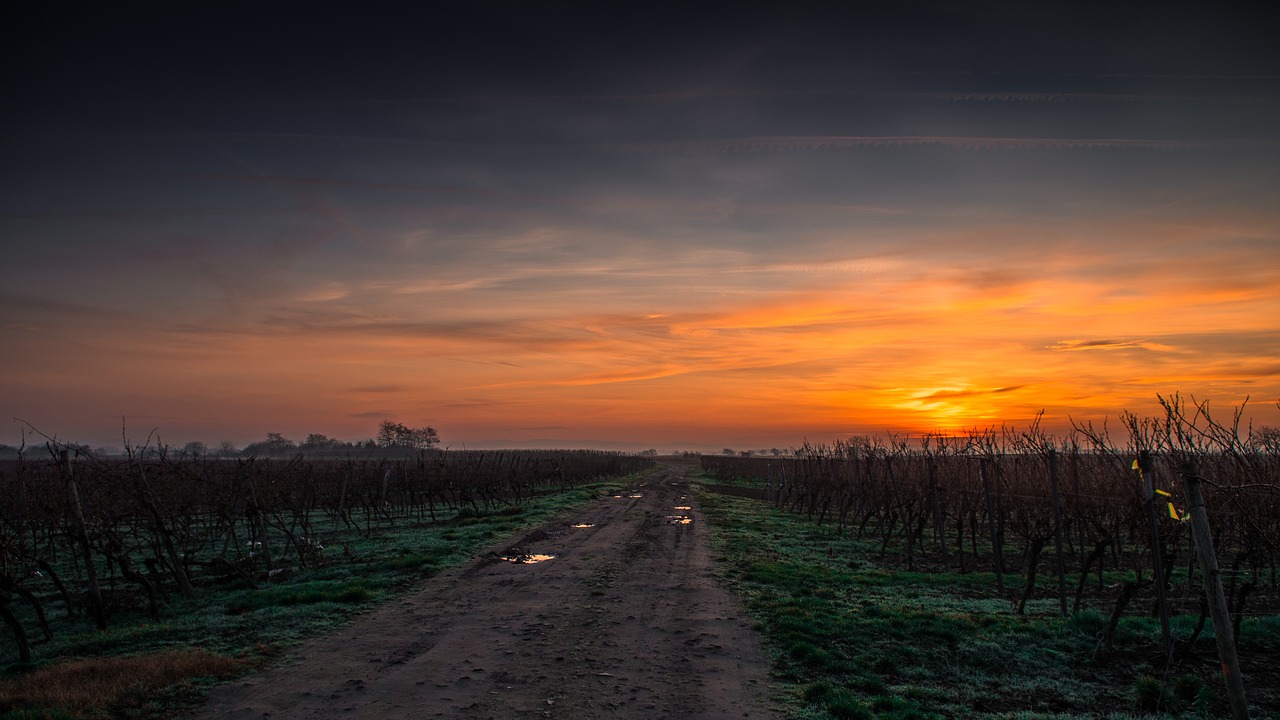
1057 531
257 523
166 537
991 524
1222 631
1157 552
938 531
82 535
342 495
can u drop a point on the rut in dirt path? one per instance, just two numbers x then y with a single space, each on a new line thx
613 613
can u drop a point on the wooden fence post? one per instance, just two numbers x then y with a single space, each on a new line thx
1222 632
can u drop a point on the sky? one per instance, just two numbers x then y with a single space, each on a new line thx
631 226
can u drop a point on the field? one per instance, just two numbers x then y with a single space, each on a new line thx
1005 572
1001 574
856 634
268 553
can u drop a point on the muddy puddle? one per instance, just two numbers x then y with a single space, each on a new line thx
526 559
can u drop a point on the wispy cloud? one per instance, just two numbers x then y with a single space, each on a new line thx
1108 345
375 389
34 305
149 213
1065 97
845 142
956 394
748 144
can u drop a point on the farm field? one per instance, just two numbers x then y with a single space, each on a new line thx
825 585
1013 574
373 535
855 634
855 361
611 612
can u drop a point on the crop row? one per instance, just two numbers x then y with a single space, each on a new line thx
1024 505
169 524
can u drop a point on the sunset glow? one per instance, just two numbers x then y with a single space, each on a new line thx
730 258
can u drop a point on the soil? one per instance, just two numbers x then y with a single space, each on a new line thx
624 619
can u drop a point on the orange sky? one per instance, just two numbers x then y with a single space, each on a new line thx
713 351
748 238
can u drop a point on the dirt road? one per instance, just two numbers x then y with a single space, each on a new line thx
624 620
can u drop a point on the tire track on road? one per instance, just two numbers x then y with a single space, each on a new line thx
626 618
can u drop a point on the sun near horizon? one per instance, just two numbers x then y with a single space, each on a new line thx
528 228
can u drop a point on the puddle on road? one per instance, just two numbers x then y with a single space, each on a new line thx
679 519
635 496
526 559
682 507
583 525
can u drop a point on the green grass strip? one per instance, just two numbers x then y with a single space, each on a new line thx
234 619
854 637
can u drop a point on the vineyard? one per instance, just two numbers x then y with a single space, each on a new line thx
998 573
88 536
1062 524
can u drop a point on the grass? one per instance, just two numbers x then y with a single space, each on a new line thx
856 636
84 688
142 668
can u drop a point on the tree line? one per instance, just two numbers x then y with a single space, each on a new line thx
391 435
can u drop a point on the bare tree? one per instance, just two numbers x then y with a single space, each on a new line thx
394 434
